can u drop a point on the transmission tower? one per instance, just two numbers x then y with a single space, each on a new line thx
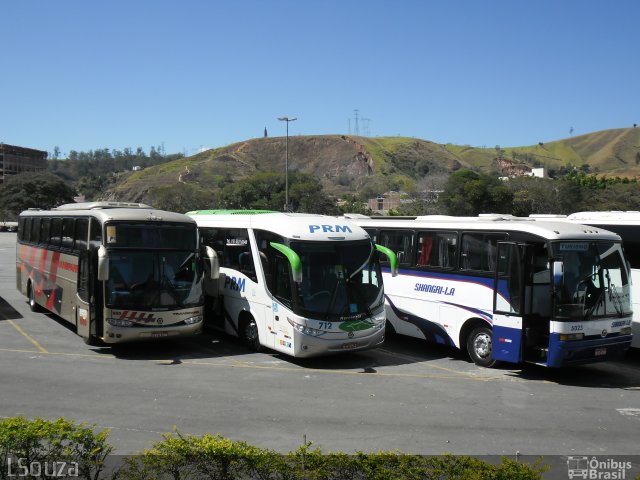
365 127
356 130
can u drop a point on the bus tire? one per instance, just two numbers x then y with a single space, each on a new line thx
479 347
33 304
250 335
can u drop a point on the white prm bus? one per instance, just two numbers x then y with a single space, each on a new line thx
627 225
118 272
508 289
300 284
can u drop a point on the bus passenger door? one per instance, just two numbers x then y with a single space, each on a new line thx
508 296
84 315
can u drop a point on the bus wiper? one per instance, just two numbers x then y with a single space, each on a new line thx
333 298
595 306
615 299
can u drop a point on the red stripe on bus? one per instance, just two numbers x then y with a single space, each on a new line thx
51 299
43 261
55 260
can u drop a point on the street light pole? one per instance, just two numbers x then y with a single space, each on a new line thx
286 163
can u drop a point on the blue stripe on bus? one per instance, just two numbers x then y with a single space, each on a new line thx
431 330
487 282
476 311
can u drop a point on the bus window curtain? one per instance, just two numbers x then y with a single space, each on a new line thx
425 250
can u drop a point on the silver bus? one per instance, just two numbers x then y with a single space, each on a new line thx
118 272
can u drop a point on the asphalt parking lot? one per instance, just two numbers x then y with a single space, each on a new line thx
408 395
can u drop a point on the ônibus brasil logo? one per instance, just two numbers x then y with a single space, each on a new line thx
592 468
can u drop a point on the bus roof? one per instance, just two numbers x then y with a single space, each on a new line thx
548 228
119 211
100 205
613 217
302 226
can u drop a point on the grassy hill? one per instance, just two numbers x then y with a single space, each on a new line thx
350 164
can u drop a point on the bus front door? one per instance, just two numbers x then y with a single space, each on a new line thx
83 297
508 295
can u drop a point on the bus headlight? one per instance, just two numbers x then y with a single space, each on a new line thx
193 320
314 332
625 331
116 322
566 337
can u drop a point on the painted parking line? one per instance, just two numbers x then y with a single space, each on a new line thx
252 366
28 337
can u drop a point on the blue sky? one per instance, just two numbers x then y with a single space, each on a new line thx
83 75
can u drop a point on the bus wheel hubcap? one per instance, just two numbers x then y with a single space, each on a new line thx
482 345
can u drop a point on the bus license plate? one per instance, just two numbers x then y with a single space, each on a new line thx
601 351
164 334
347 346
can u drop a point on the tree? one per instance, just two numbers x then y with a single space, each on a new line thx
470 193
267 191
34 190
182 197
354 204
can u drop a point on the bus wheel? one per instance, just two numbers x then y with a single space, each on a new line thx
250 335
479 347
33 305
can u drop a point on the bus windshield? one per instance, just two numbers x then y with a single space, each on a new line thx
151 235
143 280
340 281
595 283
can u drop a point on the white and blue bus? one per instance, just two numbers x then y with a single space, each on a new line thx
627 225
506 288
300 284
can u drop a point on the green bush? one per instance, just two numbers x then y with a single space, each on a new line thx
179 457
186 457
44 448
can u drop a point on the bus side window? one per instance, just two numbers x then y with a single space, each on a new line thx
401 242
55 232
268 256
35 230
246 265
21 226
437 249
44 230
68 226
81 233
479 252
95 234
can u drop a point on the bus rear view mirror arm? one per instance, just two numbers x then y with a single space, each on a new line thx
558 274
393 259
214 262
103 264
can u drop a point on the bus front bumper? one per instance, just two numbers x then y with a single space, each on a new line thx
114 334
586 351
309 346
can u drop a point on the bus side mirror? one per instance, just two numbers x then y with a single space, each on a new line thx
294 260
214 263
393 259
558 274
103 264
